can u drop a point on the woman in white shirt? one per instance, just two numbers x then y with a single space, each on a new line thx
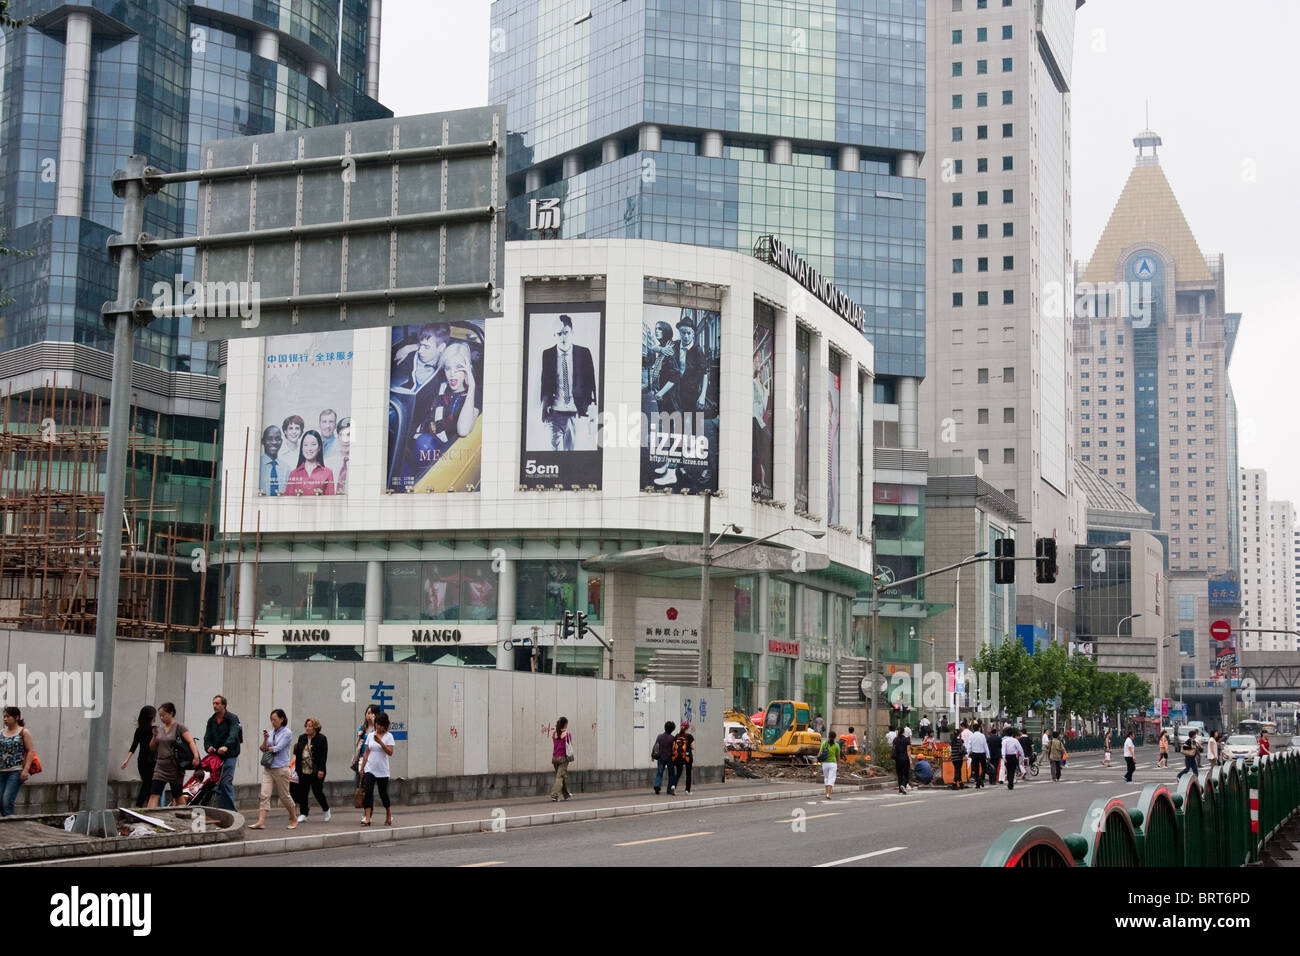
375 769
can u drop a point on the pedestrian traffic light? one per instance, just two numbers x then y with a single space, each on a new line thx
1004 564
566 632
582 624
1045 560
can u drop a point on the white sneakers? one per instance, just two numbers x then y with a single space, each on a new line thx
327 816
302 818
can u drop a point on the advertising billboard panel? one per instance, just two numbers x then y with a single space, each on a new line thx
681 364
306 413
564 349
802 398
435 406
764 412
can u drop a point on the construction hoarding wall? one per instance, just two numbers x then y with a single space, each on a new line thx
449 721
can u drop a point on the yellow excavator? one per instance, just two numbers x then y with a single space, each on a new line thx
785 731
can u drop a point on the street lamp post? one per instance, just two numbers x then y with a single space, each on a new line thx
1121 624
956 652
1055 606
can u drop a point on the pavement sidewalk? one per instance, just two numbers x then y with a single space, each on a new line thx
443 819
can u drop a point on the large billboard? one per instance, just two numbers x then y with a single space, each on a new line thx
803 400
435 406
764 412
833 441
681 364
306 438
564 348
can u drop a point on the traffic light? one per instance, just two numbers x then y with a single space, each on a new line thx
582 625
1045 560
566 632
1004 564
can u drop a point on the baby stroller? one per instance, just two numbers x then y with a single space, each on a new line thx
201 789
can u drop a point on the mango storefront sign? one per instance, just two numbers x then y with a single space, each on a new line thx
439 632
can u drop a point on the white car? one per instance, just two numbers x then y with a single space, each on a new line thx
1294 743
1243 746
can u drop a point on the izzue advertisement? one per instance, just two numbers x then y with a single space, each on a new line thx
680 366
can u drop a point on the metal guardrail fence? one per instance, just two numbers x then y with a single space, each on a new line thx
1223 816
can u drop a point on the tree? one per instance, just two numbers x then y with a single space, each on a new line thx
1017 677
1077 685
1049 665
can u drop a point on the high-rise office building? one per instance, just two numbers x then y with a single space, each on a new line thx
1157 418
84 86
998 266
1270 566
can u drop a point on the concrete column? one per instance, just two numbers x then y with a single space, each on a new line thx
372 49
850 159
711 145
572 165
374 609
318 73
651 138
532 180
908 164
782 152
611 150
266 44
764 635
75 107
246 612
907 412
505 614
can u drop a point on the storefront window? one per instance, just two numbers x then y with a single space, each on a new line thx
545 590
744 682
447 656
478 591
814 615
348 590
779 622
744 614
274 585
594 583
440 591
780 677
402 589
814 687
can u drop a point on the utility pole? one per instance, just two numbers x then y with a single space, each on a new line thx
706 670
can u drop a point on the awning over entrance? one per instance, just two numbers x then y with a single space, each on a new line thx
684 560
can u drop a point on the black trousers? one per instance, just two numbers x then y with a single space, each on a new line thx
1189 765
681 769
956 771
369 782
1132 765
978 769
305 787
146 778
904 770
1012 762
991 768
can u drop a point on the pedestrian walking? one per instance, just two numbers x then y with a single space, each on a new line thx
957 753
829 758
169 746
376 769
1264 747
925 725
1130 757
277 743
684 753
978 749
1027 745
819 724
943 727
364 730
17 753
145 728
309 755
662 752
1163 759
222 737
1105 750
1056 754
889 737
902 761
1046 741
992 766
1012 754
561 757
1190 750
1212 748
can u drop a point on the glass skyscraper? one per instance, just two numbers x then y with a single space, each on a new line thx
715 122
90 83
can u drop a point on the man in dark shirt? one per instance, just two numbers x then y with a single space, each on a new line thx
222 738
663 753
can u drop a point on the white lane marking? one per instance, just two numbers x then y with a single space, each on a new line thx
905 803
1036 816
1133 793
861 856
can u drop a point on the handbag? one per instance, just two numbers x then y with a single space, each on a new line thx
359 798
568 748
35 767
267 757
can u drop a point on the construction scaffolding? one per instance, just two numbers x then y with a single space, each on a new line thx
52 528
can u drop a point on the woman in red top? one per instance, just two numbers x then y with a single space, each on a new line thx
1263 744
311 477
562 744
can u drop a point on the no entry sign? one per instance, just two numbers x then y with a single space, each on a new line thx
1220 630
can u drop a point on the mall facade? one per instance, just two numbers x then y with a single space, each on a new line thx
446 492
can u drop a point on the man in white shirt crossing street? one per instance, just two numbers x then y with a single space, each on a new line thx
1130 756
977 746
1012 754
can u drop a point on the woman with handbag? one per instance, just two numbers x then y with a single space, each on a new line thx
145 728
17 752
309 755
169 745
275 771
363 737
375 769
561 757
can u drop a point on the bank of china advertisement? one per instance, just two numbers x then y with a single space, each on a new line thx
680 365
563 374
306 415
435 407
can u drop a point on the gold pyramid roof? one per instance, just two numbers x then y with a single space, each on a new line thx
1147 211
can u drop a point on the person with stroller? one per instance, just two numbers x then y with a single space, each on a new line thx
309 757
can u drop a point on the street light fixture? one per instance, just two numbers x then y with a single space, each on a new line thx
1055 604
1121 624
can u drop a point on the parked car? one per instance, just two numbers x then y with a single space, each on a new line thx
1244 746
1293 743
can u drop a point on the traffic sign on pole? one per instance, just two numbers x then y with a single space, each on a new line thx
1220 630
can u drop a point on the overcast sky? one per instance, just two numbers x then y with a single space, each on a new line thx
1217 83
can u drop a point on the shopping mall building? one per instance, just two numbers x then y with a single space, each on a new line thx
446 492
